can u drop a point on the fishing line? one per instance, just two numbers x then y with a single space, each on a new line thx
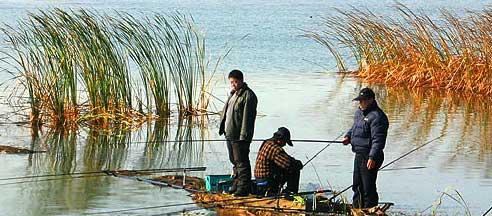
393 161
211 202
315 155
51 179
490 209
224 140
110 171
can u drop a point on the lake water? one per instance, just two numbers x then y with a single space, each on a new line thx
287 72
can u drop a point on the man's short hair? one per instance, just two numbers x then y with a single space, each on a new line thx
237 74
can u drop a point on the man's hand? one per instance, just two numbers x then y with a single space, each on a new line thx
298 164
346 140
371 164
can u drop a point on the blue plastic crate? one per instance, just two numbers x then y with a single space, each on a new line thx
218 183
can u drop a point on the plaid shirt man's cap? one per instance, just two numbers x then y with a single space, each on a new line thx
284 134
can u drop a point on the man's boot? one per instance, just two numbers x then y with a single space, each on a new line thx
243 189
233 187
241 192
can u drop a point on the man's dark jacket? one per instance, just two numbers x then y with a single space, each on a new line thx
369 131
244 114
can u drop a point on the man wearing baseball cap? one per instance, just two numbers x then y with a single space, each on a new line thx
274 167
368 138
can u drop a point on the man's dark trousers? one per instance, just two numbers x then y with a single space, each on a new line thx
364 182
291 178
239 157
279 179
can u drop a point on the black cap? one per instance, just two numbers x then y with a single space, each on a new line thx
364 94
284 134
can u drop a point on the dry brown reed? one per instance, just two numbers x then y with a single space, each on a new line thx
412 49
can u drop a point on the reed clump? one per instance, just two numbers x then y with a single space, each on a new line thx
412 49
100 69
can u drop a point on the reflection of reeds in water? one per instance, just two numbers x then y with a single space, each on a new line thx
465 120
61 151
187 150
75 66
106 151
190 149
155 142
412 49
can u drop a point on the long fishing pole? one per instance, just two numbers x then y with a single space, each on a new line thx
277 197
393 161
157 183
312 164
224 140
250 207
317 175
214 203
52 179
490 209
110 171
141 208
316 155
404 168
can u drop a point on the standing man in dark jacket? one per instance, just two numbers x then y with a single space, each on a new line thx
238 123
368 138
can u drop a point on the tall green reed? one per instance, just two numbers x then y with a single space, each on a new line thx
77 66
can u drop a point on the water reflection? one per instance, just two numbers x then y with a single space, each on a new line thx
185 149
415 117
109 150
106 151
61 150
465 120
92 150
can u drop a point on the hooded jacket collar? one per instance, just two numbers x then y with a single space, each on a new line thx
241 90
371 107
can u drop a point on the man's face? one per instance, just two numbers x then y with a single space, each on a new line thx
365 103
236 84
281 142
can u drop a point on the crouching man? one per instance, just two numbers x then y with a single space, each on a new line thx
274 167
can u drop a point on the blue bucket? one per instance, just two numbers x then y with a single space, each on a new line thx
218 183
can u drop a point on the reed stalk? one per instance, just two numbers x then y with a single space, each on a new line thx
77 66
451 52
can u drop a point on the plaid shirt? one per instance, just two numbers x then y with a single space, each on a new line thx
270 158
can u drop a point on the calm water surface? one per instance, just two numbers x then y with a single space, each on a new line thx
283 69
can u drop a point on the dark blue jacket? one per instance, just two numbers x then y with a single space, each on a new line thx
369 131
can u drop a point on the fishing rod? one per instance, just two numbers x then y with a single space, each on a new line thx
266 208
224 140
393 161
404 168
51 179
490 209
141 208
182 211
317 175
110 171
214 203
312 164
251 207
316 155
157 183
321 191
